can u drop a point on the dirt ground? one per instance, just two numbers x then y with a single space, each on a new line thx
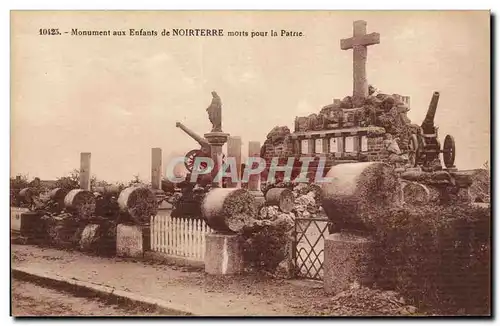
191 288
29 299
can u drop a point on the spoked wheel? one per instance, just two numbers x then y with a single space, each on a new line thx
190 158
413 151
449 151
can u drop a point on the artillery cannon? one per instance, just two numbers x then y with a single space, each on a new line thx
204 151
424 145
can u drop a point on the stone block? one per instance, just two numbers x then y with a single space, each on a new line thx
132 240
89 237
17 220
223 255
344 262
27 224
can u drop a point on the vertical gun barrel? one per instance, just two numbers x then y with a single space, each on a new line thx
431 112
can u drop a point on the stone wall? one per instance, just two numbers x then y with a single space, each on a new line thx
376 151
280 149
286 147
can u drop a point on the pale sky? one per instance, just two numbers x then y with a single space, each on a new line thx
117 97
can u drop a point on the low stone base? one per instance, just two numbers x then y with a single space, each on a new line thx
132 240
345 256
27 225
223 254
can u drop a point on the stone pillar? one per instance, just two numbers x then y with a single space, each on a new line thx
223 255
344 262
234 152
254 179
156 168
216 141
85 171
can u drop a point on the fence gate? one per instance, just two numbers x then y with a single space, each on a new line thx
308 247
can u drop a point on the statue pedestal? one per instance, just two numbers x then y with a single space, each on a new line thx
216 140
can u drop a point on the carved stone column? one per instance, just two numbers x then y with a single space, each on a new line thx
216 141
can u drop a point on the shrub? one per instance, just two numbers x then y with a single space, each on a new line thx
16 184
480 189
72 181
69 182
439 256
265 246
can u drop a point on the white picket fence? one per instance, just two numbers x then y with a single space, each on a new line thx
179 237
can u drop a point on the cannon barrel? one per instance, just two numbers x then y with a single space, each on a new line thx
428 123
202 141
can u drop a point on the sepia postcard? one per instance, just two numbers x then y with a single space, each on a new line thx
250 163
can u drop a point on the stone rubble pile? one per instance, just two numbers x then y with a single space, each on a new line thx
368 302
271 215
307 204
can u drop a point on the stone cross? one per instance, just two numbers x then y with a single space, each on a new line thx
359 43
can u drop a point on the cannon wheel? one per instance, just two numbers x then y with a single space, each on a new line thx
414 150
190 158
449 151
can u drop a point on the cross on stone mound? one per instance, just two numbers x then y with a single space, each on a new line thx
359 43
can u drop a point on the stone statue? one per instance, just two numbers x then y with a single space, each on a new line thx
215 113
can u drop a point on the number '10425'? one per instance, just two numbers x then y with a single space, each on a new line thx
49 31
